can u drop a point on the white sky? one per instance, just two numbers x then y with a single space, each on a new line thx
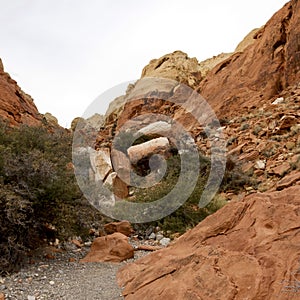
65 53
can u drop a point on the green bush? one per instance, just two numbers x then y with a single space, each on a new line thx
38 188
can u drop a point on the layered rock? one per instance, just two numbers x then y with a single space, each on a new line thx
246 250
16 107
269 65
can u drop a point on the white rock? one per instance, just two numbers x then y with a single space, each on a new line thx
152 236
51 282
159 236
165 241
278 101
260 164
158 127
154 146
101 163
30 297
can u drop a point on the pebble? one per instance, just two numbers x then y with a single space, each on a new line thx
165 241
152 236
65 280
159 236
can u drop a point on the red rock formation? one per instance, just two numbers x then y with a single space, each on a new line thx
114 248
266 67
123 227
15 106
247 250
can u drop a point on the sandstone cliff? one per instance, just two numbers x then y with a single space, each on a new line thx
16 107
247 250
269 65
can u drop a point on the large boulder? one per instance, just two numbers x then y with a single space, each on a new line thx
109 248
247 250
101 163
155 146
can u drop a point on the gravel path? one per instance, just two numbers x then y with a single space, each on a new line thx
58 278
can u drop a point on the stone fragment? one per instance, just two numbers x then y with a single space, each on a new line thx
101 163
123 227
288 180
281 169
278 101
165 241
260 164
155 146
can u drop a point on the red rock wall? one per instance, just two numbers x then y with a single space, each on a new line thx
15 106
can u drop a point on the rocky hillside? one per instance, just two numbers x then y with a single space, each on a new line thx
15 106
253 77
249 249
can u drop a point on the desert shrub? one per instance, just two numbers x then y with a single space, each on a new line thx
190 214
37 188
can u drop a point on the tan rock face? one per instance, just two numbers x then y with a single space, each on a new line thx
247 41
247 250
114 248
177 66
15 106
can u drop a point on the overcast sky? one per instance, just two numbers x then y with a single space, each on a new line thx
65 53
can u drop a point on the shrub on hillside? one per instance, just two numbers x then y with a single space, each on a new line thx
37 188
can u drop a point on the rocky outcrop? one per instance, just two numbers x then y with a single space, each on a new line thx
269 65
16 107
210 63
113 248
247 250
176 66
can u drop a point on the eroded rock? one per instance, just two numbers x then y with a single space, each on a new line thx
247 250
110 248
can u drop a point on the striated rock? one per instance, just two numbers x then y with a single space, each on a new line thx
156 128
15 106
250 78
210 63
154 146
288 180
113 248
123 227
281 169
246 250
